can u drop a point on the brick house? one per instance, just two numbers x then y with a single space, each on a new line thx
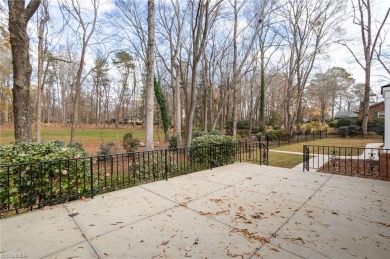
377 110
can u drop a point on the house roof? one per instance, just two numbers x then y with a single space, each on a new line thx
384 86
346 114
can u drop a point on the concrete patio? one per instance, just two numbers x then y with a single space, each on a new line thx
240 210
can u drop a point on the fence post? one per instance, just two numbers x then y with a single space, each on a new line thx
210 157
326 133
91 167
166 164
320 134
313 134
260 147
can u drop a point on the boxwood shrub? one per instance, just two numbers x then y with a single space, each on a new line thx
213 150
27 178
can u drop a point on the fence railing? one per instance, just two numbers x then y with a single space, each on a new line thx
362 162
34 185
286 139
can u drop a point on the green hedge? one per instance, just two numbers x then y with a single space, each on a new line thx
33 181
212 150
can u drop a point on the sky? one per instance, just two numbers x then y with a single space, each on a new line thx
340 56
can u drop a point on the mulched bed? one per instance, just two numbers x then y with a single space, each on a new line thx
353 167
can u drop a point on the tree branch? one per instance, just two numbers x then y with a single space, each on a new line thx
31 8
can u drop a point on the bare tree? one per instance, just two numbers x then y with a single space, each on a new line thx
383 54
125 64
73 10
362 17
149 86
19 16
309 29
171 30
204 15
42 72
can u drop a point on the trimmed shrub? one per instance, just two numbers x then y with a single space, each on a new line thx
33 181
241 125
172 142
108 148
308 130
273 134
129 143
332 123
213 150
348 126
377 126
343 131
354 130
215 132
197 134
342 122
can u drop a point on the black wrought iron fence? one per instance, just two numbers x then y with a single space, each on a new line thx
353 161
34 185
286 139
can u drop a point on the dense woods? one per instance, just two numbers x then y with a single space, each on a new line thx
216 62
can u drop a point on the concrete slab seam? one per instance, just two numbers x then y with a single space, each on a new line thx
295 212
82 233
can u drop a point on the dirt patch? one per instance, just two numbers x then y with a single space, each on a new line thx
353 167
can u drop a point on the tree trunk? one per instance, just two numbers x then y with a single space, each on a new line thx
149 87
178 108
18 19
367 90
41 72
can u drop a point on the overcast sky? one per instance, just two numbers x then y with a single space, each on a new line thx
337 55
340 56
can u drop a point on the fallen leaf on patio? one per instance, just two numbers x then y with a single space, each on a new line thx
187 255
184 204
216 200
196 241
298 239
91 225
380 223
163 243
274 249
241 209
248 235
344 248
73 214
334 213
105 254
257 215
388 237
141 241
233 255
248 177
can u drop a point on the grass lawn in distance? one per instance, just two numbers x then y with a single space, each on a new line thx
338 142
284 160
89 136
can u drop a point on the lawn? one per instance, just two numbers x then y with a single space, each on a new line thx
284 160
89 136
338 142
